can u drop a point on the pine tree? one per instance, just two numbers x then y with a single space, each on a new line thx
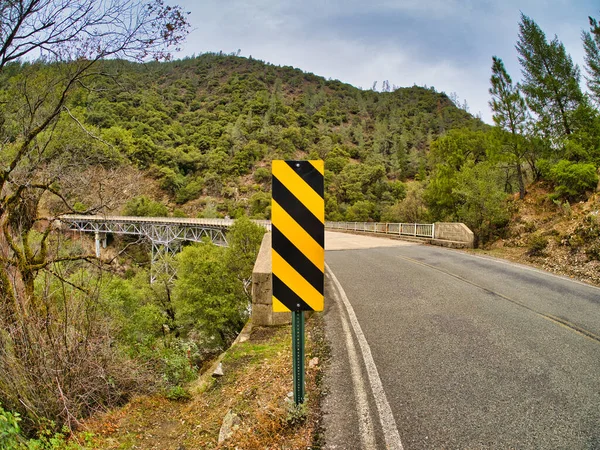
510 114
550 80
591 44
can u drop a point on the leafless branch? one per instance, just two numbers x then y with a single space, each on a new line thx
85 130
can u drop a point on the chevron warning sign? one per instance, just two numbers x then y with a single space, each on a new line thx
298 235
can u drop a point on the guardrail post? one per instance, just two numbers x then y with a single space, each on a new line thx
415 233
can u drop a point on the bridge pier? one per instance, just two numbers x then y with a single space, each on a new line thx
100 240
162 257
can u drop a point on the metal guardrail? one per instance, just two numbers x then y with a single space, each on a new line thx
424 230
131 225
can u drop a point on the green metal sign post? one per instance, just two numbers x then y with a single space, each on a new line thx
298 355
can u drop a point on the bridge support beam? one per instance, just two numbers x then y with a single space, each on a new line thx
101 239
162 260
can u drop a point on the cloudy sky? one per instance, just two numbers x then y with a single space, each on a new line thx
447 44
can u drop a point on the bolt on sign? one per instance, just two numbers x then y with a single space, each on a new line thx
298 235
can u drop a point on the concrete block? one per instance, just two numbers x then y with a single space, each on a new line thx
454 231
281 318
262 290
263 316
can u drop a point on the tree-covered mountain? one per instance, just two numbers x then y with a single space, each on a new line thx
207 128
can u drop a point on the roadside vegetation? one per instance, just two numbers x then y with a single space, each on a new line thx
254 389
131 337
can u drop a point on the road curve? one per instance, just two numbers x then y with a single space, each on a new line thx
470 352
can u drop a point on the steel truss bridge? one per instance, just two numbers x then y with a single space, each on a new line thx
166 234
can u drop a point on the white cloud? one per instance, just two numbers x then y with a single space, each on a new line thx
444 43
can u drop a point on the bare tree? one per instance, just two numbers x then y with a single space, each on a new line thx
51 351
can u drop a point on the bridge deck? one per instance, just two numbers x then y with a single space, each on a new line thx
184 221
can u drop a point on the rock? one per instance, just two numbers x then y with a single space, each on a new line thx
231 422
314 362
218 371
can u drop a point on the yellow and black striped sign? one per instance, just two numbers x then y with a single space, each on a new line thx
298 235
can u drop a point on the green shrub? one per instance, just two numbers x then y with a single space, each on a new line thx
361 211
262 175
47 439
573 180
179 213
177 367
9 430
144 207
260 204
210 211
336 163
537 244
189 191
79 207
575 241
296 414
171 180
564 207
589 229
593 252
397 189
178 393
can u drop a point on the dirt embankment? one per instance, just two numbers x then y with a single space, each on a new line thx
560 237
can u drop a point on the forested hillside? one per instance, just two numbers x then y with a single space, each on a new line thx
207 128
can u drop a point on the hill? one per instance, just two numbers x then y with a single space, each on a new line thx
206 128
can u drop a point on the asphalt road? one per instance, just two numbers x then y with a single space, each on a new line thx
458 351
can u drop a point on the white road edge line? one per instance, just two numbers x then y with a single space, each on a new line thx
388 423
365 423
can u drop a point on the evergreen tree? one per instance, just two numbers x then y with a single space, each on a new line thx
510 114
550 80
591 44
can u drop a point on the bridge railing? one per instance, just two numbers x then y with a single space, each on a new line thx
180 221
424 230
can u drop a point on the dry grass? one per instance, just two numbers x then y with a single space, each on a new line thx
258 377
536 215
